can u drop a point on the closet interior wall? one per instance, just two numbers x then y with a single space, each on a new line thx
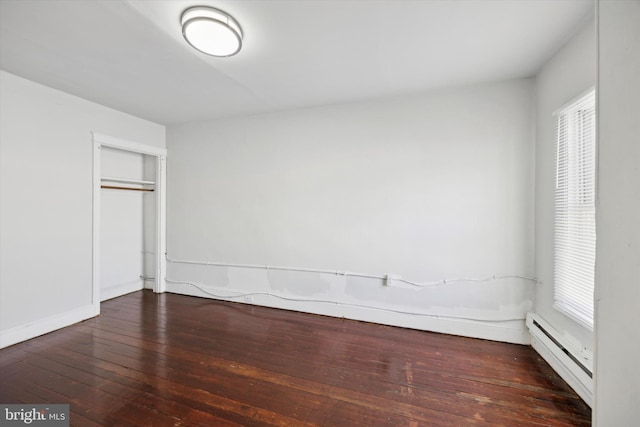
127 225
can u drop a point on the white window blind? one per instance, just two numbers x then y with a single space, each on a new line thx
575 216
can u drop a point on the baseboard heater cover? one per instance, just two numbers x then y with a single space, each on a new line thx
553 348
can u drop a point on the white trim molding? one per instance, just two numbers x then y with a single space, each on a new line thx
511 331
44 326
123 144
100 140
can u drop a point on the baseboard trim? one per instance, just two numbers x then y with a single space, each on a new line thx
121 289
39 327
508 331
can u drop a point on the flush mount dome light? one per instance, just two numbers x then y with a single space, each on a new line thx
211 31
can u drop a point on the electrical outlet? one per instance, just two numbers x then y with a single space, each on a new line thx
248 298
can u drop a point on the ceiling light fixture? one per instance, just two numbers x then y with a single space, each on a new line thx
211 31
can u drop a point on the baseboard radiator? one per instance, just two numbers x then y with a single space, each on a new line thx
567 360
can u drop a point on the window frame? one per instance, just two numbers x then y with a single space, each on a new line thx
574 240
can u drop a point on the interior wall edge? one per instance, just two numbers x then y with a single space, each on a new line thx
43 326
46 244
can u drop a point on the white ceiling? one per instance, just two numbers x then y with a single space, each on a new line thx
130 54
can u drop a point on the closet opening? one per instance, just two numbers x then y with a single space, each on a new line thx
128 218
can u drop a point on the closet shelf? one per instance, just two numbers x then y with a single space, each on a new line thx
127 181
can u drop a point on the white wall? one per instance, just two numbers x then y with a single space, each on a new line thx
571 72
46 202
618 216
429 187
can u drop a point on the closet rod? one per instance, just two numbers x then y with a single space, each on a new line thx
113 187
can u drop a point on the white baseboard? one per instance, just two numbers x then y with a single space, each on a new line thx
44 326
121 289
509 331
568 370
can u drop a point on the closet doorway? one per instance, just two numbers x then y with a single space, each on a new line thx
129 208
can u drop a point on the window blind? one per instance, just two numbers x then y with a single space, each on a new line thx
575 222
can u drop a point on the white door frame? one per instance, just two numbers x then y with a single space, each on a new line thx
99 141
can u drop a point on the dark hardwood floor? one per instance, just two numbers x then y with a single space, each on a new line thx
155 360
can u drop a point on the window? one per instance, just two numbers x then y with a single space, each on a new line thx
575 219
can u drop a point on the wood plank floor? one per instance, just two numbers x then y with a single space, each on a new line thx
156 360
